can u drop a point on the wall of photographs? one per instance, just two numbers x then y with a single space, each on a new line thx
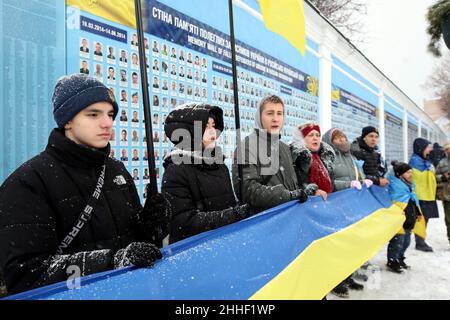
413 133
351 113
424 133
31 47
188 60
354 104
393 126
178 73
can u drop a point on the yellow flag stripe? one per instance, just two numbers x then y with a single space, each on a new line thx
119 11
328 261
425 182
286 18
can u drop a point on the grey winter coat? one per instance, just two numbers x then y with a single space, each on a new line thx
268 176
344 167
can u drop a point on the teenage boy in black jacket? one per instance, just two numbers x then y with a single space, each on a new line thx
45 203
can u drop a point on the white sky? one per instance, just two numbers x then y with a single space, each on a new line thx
397 43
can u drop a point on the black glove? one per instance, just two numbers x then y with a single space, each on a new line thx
139 254
242 211
157 210
300 195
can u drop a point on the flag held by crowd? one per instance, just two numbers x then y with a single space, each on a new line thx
293 251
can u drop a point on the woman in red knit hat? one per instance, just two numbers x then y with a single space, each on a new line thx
313 160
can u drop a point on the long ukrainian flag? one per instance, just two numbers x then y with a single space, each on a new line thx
293 251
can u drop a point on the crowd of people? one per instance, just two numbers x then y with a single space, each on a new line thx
72 205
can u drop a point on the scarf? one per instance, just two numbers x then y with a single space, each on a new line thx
319 174
417 162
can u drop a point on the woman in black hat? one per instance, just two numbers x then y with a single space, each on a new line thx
196 181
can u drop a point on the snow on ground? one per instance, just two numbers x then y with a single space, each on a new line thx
428 278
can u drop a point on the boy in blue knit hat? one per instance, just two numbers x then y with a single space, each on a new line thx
72 207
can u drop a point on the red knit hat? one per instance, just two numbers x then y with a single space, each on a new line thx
307 128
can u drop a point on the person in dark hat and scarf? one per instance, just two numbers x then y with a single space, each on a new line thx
426 184
196 180
72 205
364 148
401 190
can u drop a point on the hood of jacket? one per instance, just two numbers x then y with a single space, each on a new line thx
258 124
327 139
419 146
184 118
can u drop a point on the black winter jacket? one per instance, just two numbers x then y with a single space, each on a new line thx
411 214
41 201
373 167
197 185
201 195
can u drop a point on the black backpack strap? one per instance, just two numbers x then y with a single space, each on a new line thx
85 215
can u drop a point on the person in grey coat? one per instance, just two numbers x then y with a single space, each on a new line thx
346 173
268 174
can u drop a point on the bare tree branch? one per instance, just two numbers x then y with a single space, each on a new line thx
346 15
439 83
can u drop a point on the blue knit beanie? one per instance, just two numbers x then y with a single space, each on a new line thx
76 92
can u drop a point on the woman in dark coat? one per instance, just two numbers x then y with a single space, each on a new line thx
196 181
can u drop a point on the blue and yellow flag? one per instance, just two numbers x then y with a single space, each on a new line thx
424 178
401 195
120 11
426 185
293 251
286 18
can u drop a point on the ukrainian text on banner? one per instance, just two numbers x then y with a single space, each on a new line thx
188 60
293 251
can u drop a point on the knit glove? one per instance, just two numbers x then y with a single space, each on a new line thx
157 212
299 195
139 254
368 183
242 211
